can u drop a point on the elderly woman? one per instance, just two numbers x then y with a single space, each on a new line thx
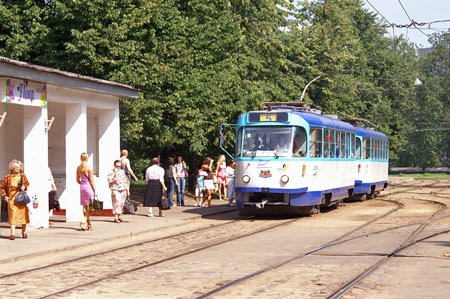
17 213
154 177
119 185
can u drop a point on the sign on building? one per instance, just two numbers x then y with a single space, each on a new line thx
25 93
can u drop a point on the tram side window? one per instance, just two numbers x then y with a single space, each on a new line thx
332 143
299 148
352 146
366 148
358 148
315 143
326 144
338 144
239 143
378 149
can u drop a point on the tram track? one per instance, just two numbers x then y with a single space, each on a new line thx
146 248
146 264
335 242
405 244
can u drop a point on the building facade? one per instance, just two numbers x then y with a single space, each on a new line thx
47 119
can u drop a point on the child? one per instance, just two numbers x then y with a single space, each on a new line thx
230 183
199 187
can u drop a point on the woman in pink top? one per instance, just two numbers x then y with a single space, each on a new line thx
221 174
85 177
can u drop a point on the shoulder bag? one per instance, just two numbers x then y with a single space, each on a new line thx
22 197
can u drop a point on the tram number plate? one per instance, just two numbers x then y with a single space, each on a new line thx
267 117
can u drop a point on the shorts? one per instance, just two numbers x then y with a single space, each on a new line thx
220 180
199 191
209 184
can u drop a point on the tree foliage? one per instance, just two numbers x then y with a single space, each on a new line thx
202 63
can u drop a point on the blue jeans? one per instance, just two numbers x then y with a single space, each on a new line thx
180 190
170 190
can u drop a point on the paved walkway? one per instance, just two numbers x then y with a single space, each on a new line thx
63 235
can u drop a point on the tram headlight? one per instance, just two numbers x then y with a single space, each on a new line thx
246 179
284 179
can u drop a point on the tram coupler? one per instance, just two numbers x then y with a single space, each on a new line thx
261 204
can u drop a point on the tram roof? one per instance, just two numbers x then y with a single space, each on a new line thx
365 132
317 120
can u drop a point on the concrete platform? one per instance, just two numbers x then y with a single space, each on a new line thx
67 235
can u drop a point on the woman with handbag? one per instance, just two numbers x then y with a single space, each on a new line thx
85 177
10 188
154 177
208 182
119 185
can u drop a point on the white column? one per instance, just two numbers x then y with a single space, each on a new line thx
76 143
109 150
35 156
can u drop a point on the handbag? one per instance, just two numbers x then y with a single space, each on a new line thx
96 206
129 207
165 204
22 198
186 174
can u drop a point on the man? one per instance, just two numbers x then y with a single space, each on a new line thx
126 166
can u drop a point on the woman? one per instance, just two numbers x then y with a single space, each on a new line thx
231 192
119 185
181 171
85 177
171 180
17 213
154 177
221 176
208 182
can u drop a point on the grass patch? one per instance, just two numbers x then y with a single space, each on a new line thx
422 175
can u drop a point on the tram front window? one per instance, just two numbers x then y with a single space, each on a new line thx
267 142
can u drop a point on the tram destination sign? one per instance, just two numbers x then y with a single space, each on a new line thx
255 117
25 93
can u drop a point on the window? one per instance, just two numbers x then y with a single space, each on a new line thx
267 141
327 143
315 143
352 146
239 143
332 144
358 148
366 148
299 148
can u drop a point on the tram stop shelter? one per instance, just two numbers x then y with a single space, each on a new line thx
48 118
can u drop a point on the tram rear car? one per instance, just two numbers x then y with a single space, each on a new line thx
294 161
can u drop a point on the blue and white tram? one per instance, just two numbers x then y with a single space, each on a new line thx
372 158
294 160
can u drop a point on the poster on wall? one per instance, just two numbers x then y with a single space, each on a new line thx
25 93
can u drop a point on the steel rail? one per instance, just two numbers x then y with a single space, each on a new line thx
120 248
329 244
326 245
408 242
133 269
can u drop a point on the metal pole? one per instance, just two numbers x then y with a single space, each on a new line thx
304 90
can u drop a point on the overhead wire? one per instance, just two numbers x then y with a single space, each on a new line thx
411 20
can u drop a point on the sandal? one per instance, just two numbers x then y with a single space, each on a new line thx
116 220
24 236
12 237
83 228
89 227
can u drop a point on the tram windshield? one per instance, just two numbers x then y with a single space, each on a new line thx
270 141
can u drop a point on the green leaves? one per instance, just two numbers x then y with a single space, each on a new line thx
202 63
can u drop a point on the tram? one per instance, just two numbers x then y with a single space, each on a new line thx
292 159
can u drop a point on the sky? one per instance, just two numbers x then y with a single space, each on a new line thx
421 11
